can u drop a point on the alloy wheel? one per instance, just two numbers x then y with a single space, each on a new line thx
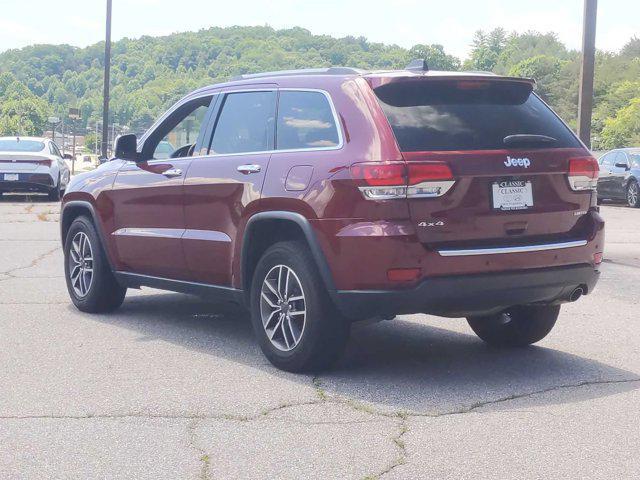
632 194
81 264
283 307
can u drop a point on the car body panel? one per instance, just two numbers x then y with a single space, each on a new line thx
192 230
614 179
149 218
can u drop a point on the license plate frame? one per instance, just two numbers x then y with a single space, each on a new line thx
511 195
11 177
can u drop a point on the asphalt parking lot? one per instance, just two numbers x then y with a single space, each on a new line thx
172 387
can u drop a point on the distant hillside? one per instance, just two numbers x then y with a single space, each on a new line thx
150 73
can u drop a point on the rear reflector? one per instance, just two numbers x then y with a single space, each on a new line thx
385 181
583 173
403 274
597 258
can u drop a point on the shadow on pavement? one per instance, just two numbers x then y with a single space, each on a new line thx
400 365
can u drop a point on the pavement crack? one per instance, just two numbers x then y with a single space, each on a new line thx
518 396
400 446
205 460
11 272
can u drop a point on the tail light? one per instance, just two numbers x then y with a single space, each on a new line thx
385 181
583 173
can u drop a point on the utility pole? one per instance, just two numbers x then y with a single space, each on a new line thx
107 75
62 131
587 72
74 116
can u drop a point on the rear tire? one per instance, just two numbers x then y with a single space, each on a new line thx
55 194
293 341
516 327
94 288
633 194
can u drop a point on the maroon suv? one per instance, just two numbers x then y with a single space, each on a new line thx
319 197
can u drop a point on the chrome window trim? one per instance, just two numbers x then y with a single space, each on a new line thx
336 121
173 108
334 112
519 249
242 89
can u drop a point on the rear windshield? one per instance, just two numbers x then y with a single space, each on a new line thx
468 115
15 145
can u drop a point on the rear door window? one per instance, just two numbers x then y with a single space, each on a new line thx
305 120
438 115
56 151
246 123
607 160
621 160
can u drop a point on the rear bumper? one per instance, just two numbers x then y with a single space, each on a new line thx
464 295
27 182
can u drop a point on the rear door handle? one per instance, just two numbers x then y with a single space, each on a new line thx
247 169
172 172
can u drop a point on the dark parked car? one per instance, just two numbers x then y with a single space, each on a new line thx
619 176
318 198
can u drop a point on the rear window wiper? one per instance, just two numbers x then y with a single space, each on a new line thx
528 139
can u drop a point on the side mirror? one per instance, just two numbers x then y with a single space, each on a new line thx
622 165
126 147
67 156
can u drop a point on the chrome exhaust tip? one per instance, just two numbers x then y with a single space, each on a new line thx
576 294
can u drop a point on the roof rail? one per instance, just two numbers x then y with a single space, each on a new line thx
484 72
303 71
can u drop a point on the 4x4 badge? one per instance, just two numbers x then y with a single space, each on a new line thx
439 223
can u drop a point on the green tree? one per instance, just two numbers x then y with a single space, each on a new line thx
21 112
91 141
486 49
623 130
632 48
436 57
544 69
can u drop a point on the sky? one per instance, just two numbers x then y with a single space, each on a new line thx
402 22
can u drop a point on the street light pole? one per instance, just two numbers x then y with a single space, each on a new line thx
587 71
107 74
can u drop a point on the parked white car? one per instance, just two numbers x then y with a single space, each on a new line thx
30 164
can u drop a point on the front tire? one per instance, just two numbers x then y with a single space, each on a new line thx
296 324
516 327
633 194
90 281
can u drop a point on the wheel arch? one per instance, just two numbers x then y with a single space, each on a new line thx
266 228
72 210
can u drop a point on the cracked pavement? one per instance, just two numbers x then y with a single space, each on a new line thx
171 386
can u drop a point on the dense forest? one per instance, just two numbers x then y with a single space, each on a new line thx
150 73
